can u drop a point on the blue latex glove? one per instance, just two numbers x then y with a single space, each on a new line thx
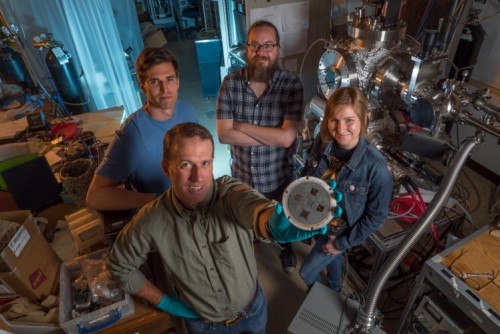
283 231
176 307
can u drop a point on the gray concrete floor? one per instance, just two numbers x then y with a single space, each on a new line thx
286 293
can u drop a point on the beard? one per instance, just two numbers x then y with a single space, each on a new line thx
261 73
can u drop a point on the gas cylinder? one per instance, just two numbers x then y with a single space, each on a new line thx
13 70
68 82
468 48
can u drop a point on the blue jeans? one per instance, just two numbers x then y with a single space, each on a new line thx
314 263
254 322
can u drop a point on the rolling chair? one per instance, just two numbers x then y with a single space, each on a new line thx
193 12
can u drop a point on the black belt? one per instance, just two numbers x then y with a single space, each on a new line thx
241 315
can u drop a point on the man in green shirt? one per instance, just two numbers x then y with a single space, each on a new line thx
203 230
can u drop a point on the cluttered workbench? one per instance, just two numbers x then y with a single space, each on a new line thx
41 247
61 141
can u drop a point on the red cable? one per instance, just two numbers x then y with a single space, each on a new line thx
403 204
420 202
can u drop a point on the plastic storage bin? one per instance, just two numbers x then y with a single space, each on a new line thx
92 321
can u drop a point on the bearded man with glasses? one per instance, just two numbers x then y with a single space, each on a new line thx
259 112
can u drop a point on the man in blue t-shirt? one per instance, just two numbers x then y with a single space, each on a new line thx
131 174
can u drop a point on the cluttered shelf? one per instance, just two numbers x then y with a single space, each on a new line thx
33 184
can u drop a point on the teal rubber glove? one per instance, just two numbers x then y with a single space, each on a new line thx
337 196
176 307
283 231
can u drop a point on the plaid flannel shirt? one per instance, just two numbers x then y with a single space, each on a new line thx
263 167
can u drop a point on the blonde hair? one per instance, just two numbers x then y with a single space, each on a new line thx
345 96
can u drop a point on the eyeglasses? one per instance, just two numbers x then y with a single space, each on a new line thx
155 83
268 47
474 280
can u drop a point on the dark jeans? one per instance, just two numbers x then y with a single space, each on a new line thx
254 322
316 261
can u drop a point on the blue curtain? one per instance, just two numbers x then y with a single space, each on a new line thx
95 33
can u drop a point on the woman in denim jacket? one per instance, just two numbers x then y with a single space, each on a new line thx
341 153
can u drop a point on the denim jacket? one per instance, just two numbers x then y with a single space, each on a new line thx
366 184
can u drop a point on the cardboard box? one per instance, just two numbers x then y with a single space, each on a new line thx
86 227
33 264
152 35
156 39
147 28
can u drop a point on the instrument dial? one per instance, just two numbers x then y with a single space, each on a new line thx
336 69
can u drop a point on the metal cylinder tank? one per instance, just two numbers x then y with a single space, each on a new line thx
13 70
67 80
467 52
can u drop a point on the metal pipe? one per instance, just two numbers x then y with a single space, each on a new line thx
486 107
478 124
454 31
366 317
413 80
456 20
392 12
489 108
449 24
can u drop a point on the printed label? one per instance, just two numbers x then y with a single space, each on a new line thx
37 278
19 240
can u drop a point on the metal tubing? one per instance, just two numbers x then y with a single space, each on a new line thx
393 10
413 80
441 197
487 107
448 30
480 125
